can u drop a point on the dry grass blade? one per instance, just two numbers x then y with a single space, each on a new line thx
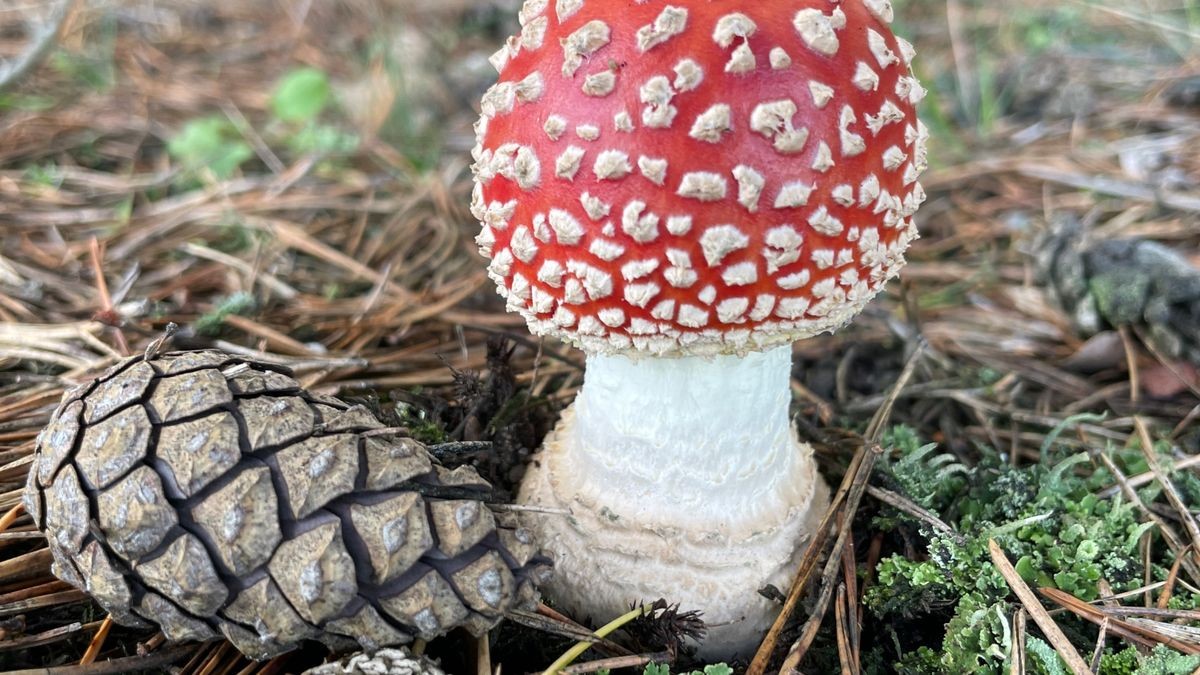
1016 662
847 655
1164 598
44 638
1031 604
1169 534
1149 477
1127 630
1172 493
47 600
1179 614
1182 634
1138 18
1098 653
41 42
853 611
157 660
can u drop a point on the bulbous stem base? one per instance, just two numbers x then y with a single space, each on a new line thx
683 480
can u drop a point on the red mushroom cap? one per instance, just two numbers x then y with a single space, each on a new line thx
698 176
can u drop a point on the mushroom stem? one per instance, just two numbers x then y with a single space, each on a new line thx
685 480
696 434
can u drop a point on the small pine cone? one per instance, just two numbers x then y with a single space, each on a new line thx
210 495
382 662
1123 282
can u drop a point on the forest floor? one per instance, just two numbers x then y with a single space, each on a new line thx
290 180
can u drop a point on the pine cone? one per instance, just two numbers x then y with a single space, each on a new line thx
1123 282
211 495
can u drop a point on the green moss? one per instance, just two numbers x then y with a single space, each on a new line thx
210 144
211 323
1161 661
1045 517
421 425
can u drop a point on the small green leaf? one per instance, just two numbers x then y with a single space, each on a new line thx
301 95
1066 581
210 142
1134 537
1088 550
322 139
1026 569
718 669
656 669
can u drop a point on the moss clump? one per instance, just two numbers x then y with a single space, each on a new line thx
1048 520
1161 661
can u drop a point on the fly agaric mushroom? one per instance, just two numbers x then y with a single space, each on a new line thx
682 189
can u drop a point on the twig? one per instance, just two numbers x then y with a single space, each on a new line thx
1110 186
617 662
1168 532
9 536
1129 631
853 611
884 413
97 642
1122 610
1164 598
1050 629
1167 362
583 645
483 655
808 564
128 664
1185 424
913 509
1131 362
11 517
841 614
40 45
846 502
68 596
1017 659
561 627
1148 477
106 313
824 408
1098 652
